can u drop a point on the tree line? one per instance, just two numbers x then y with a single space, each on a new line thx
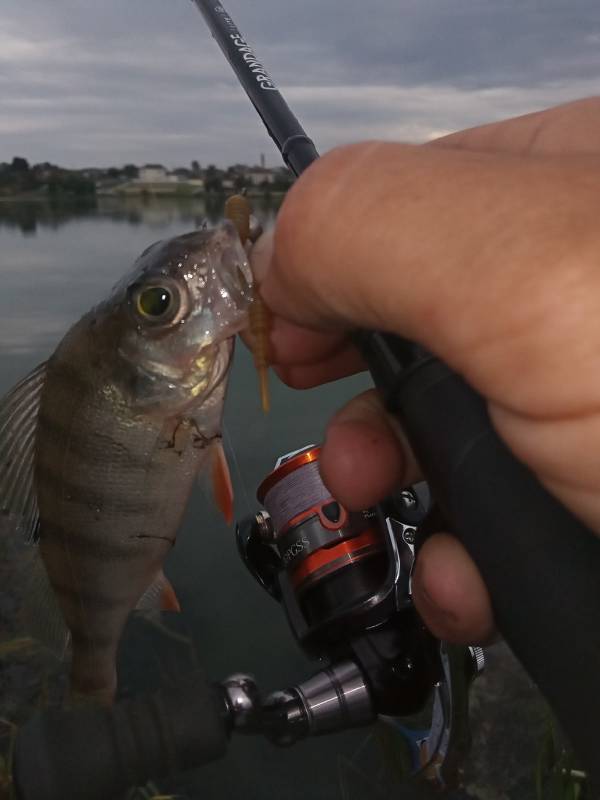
19 177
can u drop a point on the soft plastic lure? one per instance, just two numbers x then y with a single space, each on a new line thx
238 211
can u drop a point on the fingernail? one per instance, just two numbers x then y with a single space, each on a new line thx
261 256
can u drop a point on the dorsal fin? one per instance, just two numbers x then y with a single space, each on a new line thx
18 425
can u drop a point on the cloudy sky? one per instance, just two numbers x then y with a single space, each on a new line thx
84 82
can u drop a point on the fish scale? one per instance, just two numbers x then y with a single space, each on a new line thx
127 416
88 547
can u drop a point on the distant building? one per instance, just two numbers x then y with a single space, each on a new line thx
182 174
256 176
153 173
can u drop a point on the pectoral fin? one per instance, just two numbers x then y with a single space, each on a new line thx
168 598
221 481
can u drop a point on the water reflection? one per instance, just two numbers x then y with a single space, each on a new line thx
30 217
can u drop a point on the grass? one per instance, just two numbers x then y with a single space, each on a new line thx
555 775
151 792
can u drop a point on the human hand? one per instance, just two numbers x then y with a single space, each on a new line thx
485 248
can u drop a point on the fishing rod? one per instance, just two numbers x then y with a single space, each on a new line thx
540 564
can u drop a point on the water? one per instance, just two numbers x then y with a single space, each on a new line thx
54 265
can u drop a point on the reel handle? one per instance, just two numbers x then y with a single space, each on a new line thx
540 564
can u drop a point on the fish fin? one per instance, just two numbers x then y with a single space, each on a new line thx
168 598
150 600
221 481
159 596
18 425
41 616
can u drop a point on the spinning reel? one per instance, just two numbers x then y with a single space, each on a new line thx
344 581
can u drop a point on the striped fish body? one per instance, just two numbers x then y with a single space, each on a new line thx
116 453
112 487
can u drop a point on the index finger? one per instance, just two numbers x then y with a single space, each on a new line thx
473 255
302 357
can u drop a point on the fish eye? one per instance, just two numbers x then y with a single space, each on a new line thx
159 304
154 302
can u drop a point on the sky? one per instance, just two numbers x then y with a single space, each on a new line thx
106 83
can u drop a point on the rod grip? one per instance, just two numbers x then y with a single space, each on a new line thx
96 754
540 564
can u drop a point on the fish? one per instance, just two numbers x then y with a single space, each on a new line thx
100 445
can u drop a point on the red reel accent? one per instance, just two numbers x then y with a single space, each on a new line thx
317 510
349 550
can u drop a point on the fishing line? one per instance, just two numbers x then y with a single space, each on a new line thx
230 448
294 493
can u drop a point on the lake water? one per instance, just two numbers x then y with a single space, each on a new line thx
55 263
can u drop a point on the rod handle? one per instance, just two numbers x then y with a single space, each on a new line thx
540 564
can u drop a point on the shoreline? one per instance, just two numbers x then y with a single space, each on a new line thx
142 195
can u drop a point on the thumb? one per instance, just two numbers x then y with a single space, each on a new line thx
483 258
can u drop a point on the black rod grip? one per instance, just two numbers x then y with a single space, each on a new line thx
540 564
97 754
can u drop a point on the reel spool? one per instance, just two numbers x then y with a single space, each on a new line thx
328 553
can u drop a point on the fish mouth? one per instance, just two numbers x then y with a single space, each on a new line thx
178 370
153 368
